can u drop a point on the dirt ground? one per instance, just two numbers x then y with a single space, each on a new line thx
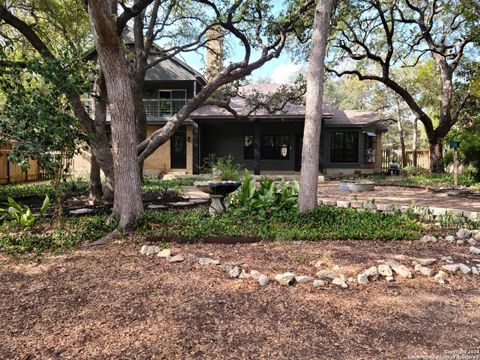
446 198
110 302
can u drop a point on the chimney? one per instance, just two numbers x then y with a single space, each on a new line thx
214 55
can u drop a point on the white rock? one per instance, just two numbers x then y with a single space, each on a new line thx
152 250
428 238
447 259
340 282
441 276
450 238
389 278
244 275
460 242
165 253
285 279
336 268
426 271
464 268
424 262
472 241
255 274
208 261
175 259
227 267
319 263
362 278
326 275
475 271
477 236
302 279
385 270
319 283
263 280
234 272
143 249
463 233
399 269
474 250
451 268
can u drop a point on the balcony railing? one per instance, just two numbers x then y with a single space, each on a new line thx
162 107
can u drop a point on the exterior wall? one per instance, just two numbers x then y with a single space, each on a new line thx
226 138
160 161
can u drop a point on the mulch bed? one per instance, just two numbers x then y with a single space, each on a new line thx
111 302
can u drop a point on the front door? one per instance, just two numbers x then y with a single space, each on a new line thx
178 151
298 151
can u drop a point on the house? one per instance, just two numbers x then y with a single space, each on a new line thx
263 143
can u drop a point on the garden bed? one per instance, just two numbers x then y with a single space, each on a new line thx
95 303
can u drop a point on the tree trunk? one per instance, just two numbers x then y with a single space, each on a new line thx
414 146
100 145
307 200
128 200
96 192
138 81
436 155
402 138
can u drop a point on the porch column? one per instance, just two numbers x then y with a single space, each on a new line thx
195 149
256 146
378 153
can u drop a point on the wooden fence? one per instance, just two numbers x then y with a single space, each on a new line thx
12 173
423 158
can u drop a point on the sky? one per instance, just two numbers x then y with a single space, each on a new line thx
279 70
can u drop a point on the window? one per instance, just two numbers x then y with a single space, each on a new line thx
275 147
370 147
171 101
344 146
248 147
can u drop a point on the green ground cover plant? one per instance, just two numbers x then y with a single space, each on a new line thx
325 223
46 239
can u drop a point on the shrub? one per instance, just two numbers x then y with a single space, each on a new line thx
264 200
229 170
21 215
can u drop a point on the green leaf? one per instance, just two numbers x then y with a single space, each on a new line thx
45 205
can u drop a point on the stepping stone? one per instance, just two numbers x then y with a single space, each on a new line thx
426 271
81 211
464 268
340 282
153 207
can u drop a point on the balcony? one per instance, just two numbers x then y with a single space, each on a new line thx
157 108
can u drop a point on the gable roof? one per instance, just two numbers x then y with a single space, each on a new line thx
172 69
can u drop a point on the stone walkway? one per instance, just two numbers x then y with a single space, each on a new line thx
399 195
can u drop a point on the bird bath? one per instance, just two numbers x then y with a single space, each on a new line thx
356 186
217 190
